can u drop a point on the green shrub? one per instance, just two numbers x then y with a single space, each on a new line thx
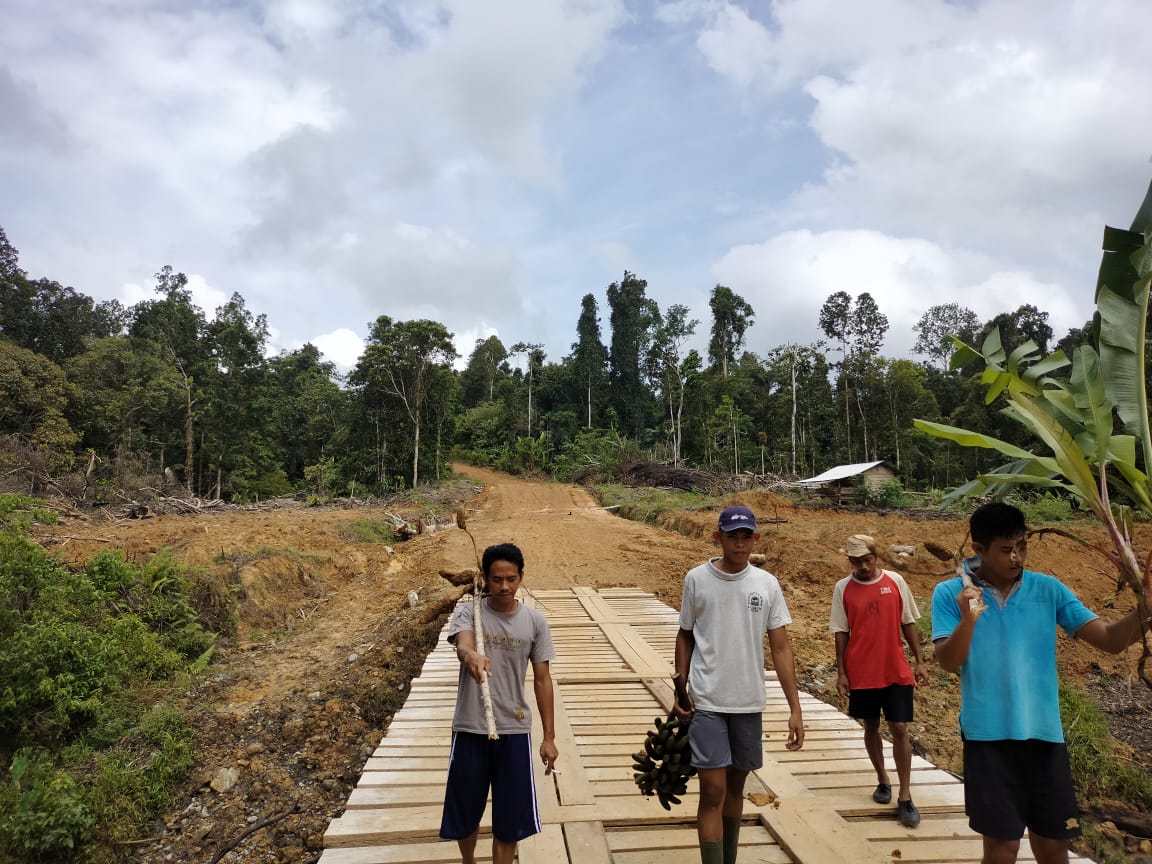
133 784
1098 770
369 531
1046 507
43 810
891 494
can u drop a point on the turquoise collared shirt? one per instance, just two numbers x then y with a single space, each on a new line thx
1009 683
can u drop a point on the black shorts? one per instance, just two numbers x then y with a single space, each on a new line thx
1013 785
895 701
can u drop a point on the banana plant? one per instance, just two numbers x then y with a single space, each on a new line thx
1092 426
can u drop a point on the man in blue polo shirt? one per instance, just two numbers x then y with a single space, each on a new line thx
995 625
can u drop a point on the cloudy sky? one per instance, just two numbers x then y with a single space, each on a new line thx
486 163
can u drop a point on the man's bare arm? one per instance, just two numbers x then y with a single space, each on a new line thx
785 665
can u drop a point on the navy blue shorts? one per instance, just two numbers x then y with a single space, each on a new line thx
895 701
475 763
1013 785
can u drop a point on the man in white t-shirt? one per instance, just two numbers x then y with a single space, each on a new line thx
726 608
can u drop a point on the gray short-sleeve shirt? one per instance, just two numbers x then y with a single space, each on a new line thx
511 641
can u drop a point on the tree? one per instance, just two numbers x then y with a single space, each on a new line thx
9 260
835 321
399 361
589 356
34 394
731 318
674 369
57 322
238 441
792 365
633 318
308 411
478 380
535 354
937 326
179 327
1026 324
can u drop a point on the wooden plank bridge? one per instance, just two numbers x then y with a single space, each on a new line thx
612 677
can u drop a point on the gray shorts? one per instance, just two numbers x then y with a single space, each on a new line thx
726 740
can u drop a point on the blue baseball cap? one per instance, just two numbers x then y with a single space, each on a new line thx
735 517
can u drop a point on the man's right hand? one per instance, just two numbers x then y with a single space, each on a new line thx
971 602
478 666
842 685
682 704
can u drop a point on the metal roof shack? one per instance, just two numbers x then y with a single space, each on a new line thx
841 483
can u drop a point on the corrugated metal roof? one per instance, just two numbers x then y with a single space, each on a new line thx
840 472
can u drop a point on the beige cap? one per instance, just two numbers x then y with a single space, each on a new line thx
858 545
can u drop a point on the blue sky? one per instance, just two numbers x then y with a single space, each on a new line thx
486 164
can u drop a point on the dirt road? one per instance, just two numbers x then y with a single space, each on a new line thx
327 642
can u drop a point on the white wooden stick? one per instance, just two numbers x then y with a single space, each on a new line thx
485 692
478 624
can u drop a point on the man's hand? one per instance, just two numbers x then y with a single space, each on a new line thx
921 673
478 666
682 706
795 730
971 602
842 685
549 754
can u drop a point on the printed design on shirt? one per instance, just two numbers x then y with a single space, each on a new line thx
503 643
873 607
755 602
884 589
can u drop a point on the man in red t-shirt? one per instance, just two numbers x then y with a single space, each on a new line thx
870 610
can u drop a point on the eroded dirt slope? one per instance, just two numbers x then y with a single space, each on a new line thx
327 639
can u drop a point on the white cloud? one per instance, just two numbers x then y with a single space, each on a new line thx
343 347
787 278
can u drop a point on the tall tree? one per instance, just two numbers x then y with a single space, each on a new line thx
57 322
836 322
632 319
589 356
400 360
869 326
478 380
674 367
308 417
239 442
731 318
937 326
534 353
177 325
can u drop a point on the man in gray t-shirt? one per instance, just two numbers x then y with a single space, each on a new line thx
514 636
726 608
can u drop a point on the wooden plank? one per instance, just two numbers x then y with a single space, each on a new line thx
691 855
438 852
587 843
547 847
815 835
628 840
378 797
571 783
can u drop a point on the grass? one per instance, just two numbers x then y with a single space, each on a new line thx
368 531
1100 772
645 504
238 558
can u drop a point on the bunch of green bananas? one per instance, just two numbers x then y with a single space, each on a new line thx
663 767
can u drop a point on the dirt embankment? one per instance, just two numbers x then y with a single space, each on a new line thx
327 639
